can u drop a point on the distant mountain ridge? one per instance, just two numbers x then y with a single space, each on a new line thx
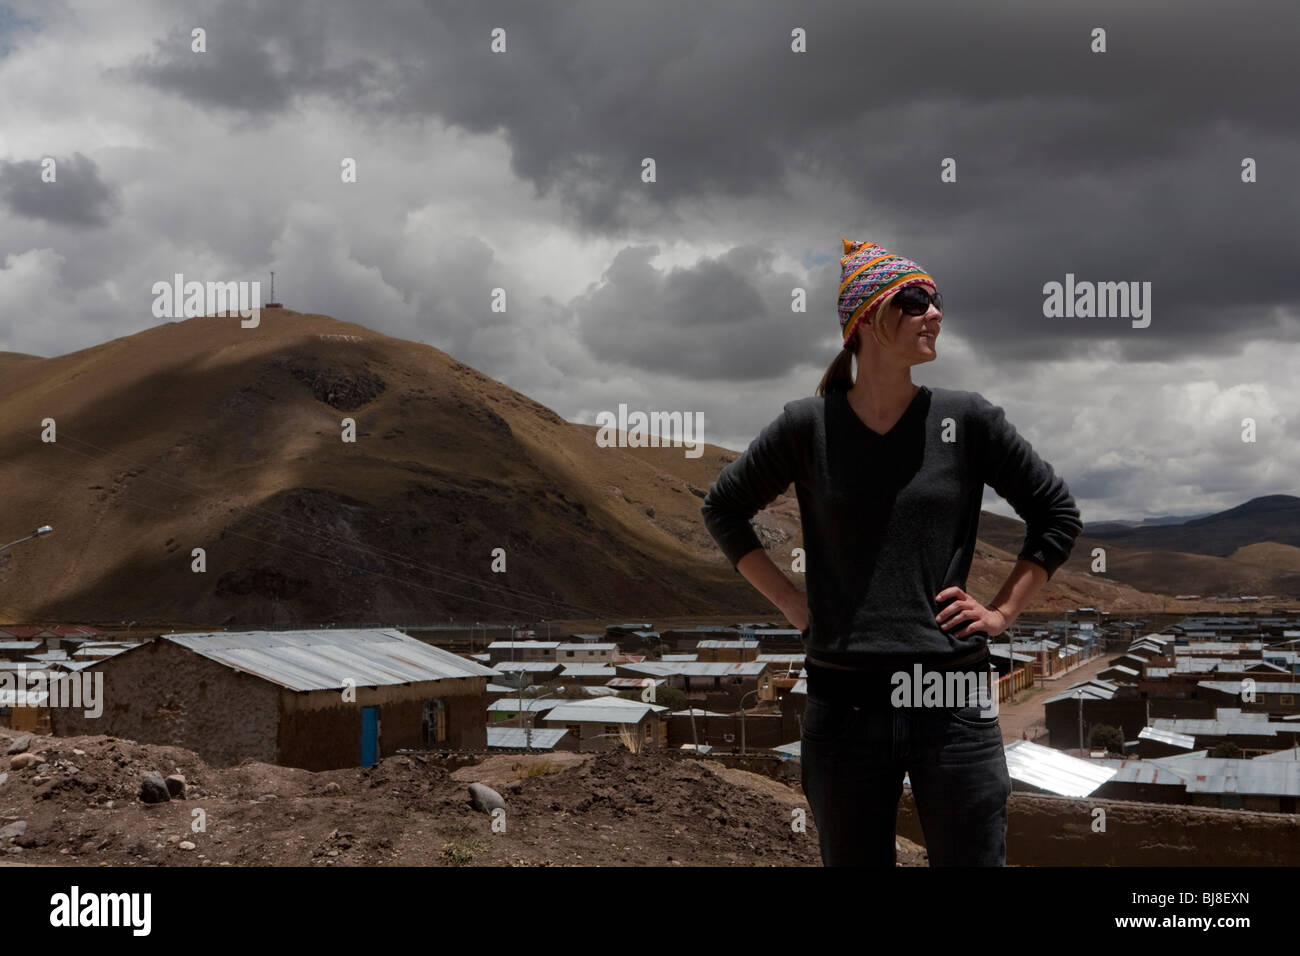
1116 524
1268 518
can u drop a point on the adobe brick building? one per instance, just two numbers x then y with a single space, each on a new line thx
315 699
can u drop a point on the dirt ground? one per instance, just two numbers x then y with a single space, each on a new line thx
81 806
1025 717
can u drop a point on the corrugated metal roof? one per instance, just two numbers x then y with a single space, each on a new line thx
606 710
98 653
1173 739
697 668
1043 645
584 646
1054 771
543 738
1085 692
1261 686
1230 775
584 669
1174 760
1121 669
1104 684
513 705
535 645
1141 771
1220 651
1292 753
1222 727
731 644
324 659
527 666
633 682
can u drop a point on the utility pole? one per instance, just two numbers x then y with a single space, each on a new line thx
1079 694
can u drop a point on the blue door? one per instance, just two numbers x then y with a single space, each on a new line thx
369 736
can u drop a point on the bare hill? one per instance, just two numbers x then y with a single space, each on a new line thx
1269 554
202 434
1140 576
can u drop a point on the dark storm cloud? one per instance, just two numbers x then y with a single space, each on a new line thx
727 318
1122 166
77 197
13 29
257 60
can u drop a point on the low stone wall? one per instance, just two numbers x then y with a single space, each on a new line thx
1059 831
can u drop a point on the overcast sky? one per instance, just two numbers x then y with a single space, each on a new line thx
523 170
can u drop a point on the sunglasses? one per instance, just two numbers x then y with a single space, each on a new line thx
915 300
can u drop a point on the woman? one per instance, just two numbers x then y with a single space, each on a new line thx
889 477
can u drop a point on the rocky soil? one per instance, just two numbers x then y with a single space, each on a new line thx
77 800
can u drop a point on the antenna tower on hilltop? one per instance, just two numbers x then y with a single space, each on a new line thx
273 304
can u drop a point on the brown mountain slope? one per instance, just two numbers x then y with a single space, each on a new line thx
1154 570
10 361
1269 554
202 434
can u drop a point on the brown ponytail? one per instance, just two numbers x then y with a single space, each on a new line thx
839 374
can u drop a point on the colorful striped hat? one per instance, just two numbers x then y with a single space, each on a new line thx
869 274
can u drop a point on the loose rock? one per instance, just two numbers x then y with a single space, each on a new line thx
176 786
153 789
13 830
485 799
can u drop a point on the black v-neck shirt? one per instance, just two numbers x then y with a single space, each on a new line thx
890 520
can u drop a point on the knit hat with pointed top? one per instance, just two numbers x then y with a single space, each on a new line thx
869 274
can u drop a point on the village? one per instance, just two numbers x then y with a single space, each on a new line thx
1203 713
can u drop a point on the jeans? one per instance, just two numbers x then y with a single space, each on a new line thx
855 750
